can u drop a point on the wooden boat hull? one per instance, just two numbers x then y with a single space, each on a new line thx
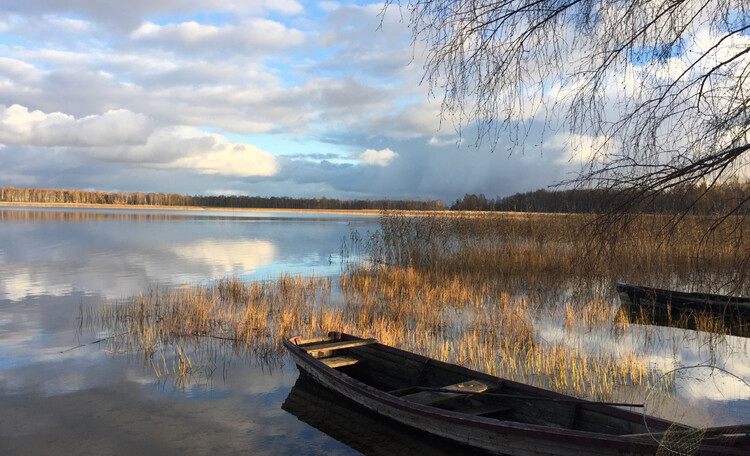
490 434
680 309
360 428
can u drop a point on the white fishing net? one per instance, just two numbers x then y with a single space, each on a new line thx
708 406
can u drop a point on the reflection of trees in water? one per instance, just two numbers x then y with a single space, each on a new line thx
25 215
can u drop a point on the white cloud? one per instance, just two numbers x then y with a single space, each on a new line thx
251 35
377 157
12 69
225 192
582 148
231 159
69 25
125 16
329 6
125 137
450 141
19 126
188 148
284 6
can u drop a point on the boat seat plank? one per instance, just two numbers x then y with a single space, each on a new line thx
339 361
315 340
402 391
318 350
437 397
485 409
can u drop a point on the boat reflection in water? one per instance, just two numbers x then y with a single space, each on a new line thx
697 311
359 428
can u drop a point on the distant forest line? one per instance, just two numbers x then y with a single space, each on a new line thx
694 199
697 200
46 195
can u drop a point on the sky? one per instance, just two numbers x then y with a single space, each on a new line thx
258 97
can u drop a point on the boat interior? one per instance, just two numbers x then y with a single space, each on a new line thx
423 381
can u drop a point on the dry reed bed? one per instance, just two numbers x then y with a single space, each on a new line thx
449 322
477 291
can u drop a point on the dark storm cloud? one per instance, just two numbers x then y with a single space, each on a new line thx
423 171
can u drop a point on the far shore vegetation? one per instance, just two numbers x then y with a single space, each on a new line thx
686 199
62 197
522 296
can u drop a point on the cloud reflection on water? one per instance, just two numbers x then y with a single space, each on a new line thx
49 252
228 256
56 263
129 268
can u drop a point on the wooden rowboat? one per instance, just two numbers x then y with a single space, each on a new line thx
481 411
675 308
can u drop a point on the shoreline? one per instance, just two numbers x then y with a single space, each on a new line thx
369 212
358 212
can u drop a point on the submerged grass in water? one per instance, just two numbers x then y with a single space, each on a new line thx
514 296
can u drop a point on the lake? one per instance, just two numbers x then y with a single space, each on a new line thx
57 399
65 390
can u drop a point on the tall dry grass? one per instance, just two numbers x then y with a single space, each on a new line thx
522 296
647 249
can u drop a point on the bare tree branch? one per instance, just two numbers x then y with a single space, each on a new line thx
659 86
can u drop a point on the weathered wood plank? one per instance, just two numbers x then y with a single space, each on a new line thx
315 340
484 409
718 430
403 371
402 391
570 422
590 420
340 361
318 350
436 397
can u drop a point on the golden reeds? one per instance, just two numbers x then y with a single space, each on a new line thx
519 296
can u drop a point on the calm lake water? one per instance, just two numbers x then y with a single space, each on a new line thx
61 392
57 399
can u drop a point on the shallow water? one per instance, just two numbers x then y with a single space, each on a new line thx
59 399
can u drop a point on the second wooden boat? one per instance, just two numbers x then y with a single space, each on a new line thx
681 309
